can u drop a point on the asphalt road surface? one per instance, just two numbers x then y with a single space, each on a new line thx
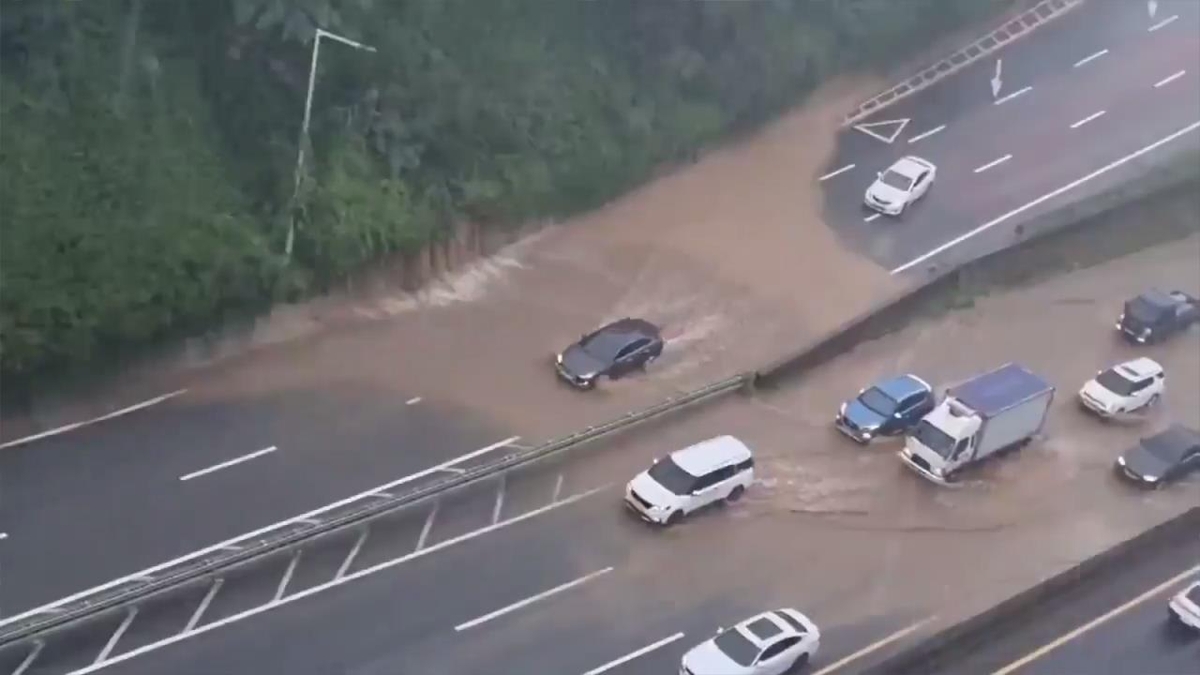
1083 103
87 495
1115 624
545 570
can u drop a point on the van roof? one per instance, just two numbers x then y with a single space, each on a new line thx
704 456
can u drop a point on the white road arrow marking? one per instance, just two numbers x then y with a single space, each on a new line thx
996 81
869 128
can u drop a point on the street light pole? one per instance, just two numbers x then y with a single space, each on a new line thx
312 79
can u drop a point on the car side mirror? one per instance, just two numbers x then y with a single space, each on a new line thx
897 415
654 461
879 174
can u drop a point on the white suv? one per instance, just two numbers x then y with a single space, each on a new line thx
1126 387
719 469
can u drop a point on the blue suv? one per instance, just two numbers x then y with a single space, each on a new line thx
888 408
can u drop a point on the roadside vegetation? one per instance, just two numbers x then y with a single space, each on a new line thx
148 146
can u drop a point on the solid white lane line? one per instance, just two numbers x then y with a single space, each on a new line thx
313 590
871 217
453 469
287 575
558 483
112 641
1054 644
1169 79
873 647
427 526
926 134
1087 119
1164 22
1005 99
233 543
203 606
227 464
413 401
499 506
33 654
345 567
994 162
1088 59
1049 195
532 599
635 654
835 172
75 425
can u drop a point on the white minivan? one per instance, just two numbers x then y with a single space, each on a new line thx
718 469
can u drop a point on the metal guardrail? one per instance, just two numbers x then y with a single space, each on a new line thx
1017 27
33 624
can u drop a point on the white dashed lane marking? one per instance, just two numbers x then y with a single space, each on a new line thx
1087 119
835 172
1169 79
871 217
1005 99
926 134
1088 59
1165 22
994 162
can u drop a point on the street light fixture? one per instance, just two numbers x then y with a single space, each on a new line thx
312 78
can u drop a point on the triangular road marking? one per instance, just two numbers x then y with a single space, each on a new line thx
867 129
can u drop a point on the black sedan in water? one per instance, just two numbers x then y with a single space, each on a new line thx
614 350
1163 457
1155 315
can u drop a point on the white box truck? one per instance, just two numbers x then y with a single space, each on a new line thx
989 413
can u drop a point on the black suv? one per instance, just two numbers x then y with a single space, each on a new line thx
1155 315
613 350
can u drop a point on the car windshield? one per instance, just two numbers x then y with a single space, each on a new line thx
737 647
1115 382
876 400
1164 447
668 474
934 438
893 178
605 345
1143 310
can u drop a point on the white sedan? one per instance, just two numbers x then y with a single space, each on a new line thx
903 183
771 643
1126 387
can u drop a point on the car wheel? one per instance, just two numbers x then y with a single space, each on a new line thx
799 663
1153 400
674 519
735 494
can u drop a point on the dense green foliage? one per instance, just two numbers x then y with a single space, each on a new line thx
148 146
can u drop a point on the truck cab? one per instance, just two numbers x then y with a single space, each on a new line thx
992 412
942 441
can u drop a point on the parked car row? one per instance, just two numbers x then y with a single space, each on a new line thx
1006 408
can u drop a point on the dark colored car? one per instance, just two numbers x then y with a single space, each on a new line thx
613 350
888 408
1161 458
1156 315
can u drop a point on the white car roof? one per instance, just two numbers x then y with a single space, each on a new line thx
910 166
1139 368
707 455
771 619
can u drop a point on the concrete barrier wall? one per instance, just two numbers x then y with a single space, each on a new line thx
941 649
